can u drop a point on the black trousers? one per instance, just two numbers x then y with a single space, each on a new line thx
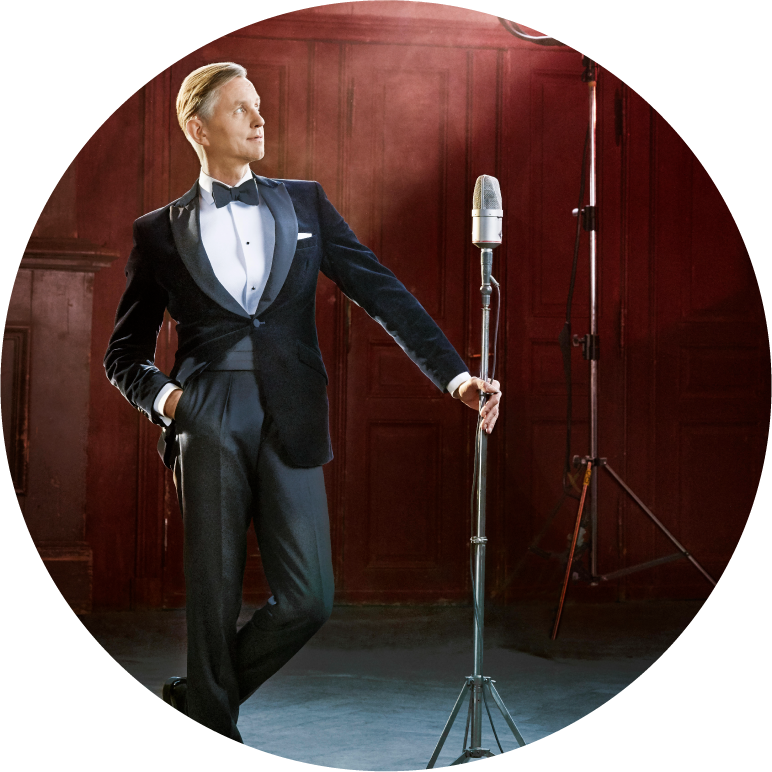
231 473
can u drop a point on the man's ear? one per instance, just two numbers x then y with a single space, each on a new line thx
195 130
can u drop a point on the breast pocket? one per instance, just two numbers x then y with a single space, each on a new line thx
308 243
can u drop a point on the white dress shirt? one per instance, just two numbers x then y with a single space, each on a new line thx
239 240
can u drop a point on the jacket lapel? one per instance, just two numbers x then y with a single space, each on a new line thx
279 202
186 229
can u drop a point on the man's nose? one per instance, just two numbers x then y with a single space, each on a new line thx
257 119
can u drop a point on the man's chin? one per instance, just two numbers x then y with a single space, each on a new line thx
256 153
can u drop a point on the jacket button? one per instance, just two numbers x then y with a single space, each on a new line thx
256 322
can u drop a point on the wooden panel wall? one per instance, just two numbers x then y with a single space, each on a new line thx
396 108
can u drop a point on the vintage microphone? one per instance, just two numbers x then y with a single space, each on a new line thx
487 216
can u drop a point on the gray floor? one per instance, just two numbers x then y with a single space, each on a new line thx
374 688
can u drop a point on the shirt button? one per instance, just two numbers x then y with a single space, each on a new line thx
256 322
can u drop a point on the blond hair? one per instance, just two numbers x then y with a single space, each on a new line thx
198 92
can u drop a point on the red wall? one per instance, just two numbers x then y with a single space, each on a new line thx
396 109
110 170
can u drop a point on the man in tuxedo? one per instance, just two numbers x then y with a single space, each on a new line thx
244 410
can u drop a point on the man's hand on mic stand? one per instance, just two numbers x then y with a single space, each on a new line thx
469 394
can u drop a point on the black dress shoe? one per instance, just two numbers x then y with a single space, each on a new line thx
175 692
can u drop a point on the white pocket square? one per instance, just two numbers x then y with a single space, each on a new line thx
304 236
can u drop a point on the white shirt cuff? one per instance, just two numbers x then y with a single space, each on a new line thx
160 401
456 382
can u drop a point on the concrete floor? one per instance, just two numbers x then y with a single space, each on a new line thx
374 688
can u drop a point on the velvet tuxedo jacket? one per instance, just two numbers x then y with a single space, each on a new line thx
168 268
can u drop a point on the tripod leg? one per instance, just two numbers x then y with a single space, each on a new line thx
659 525
448 725
504 712
569 562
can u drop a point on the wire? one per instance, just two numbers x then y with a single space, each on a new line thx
490 718
564 339
468 720
475 480
517 31
496 333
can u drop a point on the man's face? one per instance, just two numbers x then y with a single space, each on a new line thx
234 133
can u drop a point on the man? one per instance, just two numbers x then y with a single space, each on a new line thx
244 410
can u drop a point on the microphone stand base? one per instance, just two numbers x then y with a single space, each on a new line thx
472 753
476 752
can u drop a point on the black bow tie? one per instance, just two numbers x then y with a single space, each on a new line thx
246 193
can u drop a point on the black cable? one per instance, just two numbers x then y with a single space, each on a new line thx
490 718
564 339
518 32
468 718
478 620
496 329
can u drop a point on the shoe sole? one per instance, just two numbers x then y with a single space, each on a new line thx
169 685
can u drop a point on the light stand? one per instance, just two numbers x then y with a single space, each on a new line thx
480 687
590 345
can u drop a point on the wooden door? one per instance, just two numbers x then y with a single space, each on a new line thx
547 109
407 192
698 365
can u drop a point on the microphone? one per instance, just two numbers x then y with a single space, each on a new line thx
487 213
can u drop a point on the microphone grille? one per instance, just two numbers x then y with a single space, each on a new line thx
487 193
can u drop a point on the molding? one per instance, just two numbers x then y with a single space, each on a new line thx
78 255
388 30
157 133
52 550
18 422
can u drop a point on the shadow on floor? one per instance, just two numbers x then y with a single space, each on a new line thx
373 689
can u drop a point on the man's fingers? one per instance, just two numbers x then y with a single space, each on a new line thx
490 411
493 388
488 386
470 395
491 404
490 422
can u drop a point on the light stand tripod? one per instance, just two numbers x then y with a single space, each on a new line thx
486 232
590 345
590 350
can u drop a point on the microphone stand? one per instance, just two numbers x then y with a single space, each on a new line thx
478 685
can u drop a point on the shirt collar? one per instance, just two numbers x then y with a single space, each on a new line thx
205 184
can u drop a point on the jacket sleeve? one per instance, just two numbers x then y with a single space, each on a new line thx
363 279
129 361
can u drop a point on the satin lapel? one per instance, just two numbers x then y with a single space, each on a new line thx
186 229
279 202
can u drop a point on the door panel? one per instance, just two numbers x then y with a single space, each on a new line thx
405 197
711 370
548 109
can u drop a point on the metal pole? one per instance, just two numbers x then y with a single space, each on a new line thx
477 683
592 82
479 538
